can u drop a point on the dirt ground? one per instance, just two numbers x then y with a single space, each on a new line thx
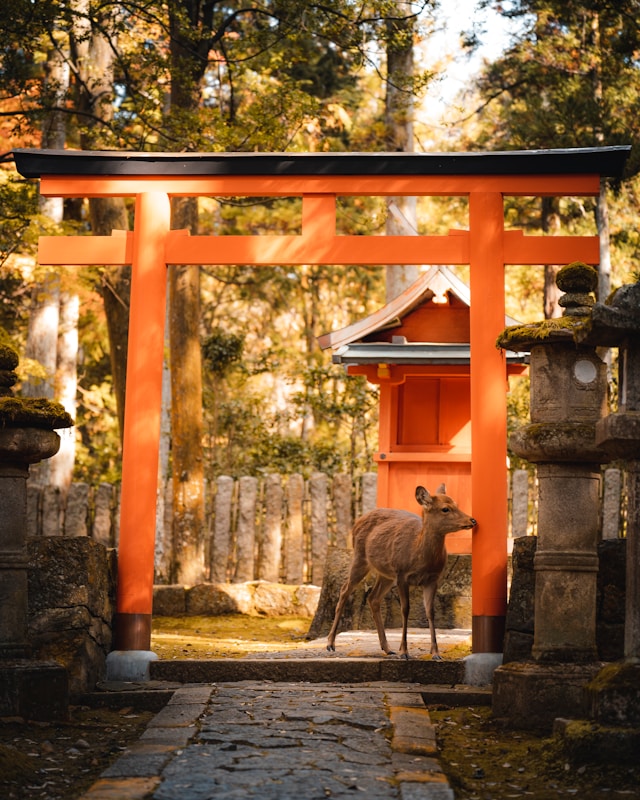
59 761
484 761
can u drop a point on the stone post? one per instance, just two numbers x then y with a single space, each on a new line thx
32 689
615 694
568 398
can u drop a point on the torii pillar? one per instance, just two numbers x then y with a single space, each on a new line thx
319 178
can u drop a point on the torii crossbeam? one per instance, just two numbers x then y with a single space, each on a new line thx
319 178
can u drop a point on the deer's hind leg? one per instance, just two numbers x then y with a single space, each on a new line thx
357 573
376 596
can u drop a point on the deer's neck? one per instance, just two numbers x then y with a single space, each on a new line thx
431 545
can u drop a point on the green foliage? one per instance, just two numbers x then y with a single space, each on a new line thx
570 78
252 437
98 446
222 350
518 415
18 207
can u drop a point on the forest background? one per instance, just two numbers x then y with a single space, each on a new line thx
248 391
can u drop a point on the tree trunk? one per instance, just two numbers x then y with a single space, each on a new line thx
66 386
189 55
602 220
399 107
164 507
42 337
550 222
108 214
602 212
42 332
186 408
94 61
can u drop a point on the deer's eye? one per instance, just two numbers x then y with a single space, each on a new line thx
446 510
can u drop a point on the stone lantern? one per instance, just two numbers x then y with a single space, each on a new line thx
568 398
37 690
615 693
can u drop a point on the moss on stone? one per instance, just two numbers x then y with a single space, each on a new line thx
577 277
33 412
622 675
523 336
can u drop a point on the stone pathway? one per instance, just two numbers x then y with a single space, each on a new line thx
281 741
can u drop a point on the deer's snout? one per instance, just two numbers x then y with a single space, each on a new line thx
472 523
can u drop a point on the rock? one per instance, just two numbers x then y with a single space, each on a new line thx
272 599
211 599
169 601
256 598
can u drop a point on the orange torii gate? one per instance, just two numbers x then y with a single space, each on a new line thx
319 178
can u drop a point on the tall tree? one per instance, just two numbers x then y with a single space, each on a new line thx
42 335
570 79
399 110
94 45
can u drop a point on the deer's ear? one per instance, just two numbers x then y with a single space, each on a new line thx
422 496
442 489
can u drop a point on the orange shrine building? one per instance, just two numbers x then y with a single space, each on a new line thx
416 348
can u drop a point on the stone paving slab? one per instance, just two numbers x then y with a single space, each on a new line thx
412 731
283 741
457 695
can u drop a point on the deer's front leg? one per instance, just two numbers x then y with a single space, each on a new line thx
376 595
428 594
403 592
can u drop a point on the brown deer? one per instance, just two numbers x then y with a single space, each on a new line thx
404 549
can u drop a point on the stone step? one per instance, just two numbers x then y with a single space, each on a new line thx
317 670
458 695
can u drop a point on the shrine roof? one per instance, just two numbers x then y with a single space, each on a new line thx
411 353
604 161
433 284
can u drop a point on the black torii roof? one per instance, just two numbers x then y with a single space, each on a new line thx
604 161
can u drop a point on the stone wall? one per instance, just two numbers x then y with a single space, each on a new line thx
71 600
283 524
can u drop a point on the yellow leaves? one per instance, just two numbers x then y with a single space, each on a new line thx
338 116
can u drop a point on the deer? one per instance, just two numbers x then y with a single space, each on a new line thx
406 549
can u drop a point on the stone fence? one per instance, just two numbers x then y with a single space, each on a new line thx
275 528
